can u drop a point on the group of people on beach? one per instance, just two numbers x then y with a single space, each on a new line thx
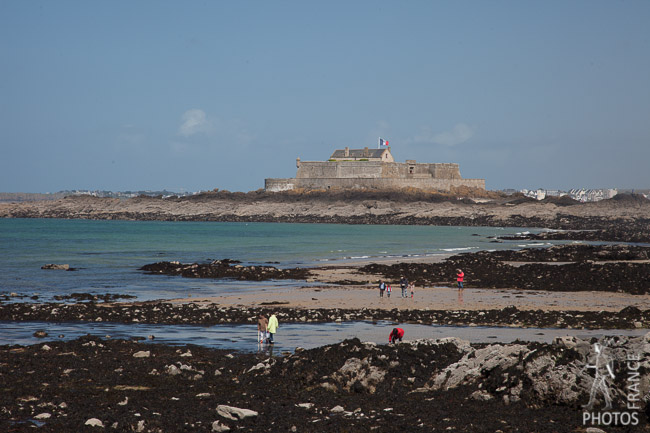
398 333
404 284
266 328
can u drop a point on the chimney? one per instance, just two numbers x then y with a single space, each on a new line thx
347 152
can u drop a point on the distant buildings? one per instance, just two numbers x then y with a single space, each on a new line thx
581 194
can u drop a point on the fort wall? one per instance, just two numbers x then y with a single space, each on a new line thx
362 174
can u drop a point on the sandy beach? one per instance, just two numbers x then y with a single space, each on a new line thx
364 294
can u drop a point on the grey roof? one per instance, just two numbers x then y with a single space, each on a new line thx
358 153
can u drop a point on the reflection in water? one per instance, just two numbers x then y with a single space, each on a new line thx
291 335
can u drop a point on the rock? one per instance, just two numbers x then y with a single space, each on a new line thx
142 354
172 370
481 396
235 413
46 348
94 422
53 266
567 341
305 405
474 365
218 427
40 334
140 426
203 395
44 415
337 409
358 373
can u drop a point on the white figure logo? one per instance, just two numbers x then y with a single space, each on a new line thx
604 367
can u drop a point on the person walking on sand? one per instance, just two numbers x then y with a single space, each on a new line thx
262 324
403 282
388 290
272 327
396 334
382 288
412 287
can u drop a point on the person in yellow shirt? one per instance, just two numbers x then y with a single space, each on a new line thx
272 327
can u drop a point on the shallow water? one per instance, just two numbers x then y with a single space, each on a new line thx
244 337
108 254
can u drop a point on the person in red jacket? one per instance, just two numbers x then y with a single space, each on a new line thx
460 276
396 334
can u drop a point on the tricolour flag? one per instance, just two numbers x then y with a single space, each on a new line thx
383 142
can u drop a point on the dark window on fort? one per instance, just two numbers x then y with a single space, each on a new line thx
411 169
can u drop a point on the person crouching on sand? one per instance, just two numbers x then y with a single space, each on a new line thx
396 334
272 327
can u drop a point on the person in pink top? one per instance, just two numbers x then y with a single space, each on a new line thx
460 276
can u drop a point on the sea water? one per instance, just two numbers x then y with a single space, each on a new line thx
106 255
289 336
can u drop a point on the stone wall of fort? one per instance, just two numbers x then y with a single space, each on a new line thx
373 175
276 185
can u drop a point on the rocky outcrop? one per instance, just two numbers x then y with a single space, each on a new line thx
619 220
561 374
422 385
613 268
212 314
226 269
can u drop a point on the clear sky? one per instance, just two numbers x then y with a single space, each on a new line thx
134 95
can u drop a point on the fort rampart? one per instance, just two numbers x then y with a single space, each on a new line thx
373 175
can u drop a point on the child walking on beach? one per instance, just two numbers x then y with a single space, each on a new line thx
388 290
412 287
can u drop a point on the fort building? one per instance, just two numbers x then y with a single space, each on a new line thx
371 169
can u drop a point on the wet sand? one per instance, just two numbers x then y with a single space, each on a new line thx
436 298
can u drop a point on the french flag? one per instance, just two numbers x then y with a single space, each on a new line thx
383 142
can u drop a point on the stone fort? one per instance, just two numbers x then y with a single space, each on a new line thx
371 169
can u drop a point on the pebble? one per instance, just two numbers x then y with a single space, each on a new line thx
94 422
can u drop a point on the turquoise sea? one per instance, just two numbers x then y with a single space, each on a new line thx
107 254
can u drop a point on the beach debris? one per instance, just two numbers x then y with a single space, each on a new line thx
235 413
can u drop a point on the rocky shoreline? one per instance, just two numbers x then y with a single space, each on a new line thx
94 384
212 314
625 218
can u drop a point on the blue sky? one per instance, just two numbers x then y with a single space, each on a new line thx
122 95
